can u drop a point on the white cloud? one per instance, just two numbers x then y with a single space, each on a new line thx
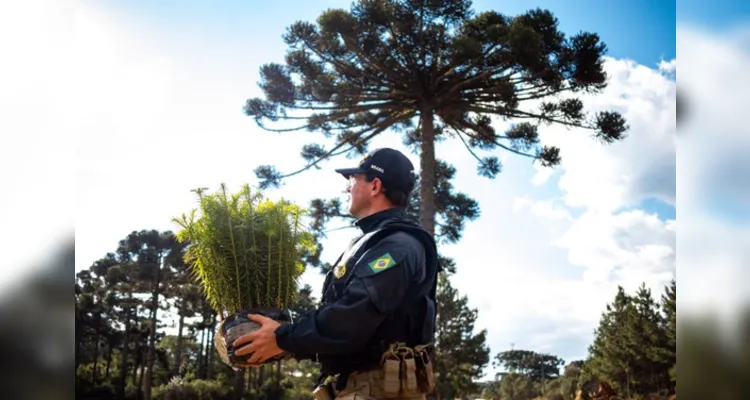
668 66
541 263
542 208
627 248
608 177
713 170
613 246
37 128
591 244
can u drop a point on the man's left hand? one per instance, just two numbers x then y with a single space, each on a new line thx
262 343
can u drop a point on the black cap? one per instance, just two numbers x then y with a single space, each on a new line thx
391 166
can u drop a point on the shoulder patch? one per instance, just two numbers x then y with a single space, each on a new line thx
382 263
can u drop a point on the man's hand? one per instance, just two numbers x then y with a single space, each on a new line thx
262 342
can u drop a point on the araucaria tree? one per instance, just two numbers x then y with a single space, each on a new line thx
432 70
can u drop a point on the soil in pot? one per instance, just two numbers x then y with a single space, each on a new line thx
238 324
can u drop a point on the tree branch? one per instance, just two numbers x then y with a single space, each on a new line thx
468 125
471 151
476 78
364 59
397 39
376 129
526 115
340 68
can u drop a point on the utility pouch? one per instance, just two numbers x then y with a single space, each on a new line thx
323 392
424 372
391 366
409 383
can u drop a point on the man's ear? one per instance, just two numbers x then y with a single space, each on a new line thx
377 185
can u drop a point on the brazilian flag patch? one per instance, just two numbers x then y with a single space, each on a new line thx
382 263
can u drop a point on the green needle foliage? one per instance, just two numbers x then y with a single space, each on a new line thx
245 251
432 70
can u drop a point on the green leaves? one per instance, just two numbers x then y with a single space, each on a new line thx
549 156
312 151
277 84
268 176
490 167
523 136
245 251
611 126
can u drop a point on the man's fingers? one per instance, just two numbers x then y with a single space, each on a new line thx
246 338
247 349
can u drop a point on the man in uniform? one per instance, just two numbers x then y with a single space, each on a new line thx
377 317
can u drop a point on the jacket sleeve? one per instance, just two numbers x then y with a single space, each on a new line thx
377 284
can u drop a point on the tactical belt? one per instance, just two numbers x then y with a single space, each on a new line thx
404 372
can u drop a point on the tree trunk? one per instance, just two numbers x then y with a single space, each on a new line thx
178 351
78 336
239 384
627 382
210 354
124 359
137 362
201 355
250 376
141 375
137 353
261 376
94 372
152 337
109 360
427 173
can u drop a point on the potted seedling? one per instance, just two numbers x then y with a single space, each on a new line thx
246 253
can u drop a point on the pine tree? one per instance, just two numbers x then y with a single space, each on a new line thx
631 350
652 364
612 355
537 367
571 379
461 354
669 327
515 386
433 70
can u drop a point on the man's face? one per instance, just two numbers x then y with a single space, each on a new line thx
360 195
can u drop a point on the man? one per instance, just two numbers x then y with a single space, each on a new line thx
379 293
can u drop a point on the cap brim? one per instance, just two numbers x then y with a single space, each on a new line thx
347 172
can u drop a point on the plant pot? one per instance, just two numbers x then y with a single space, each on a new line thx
238 324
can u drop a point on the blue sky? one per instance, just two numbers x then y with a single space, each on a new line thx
723 199
721 13
165 82
640 29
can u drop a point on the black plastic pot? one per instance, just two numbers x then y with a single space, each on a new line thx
238 324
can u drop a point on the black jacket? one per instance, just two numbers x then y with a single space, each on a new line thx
381 290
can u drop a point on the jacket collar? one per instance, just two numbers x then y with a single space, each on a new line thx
370 222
